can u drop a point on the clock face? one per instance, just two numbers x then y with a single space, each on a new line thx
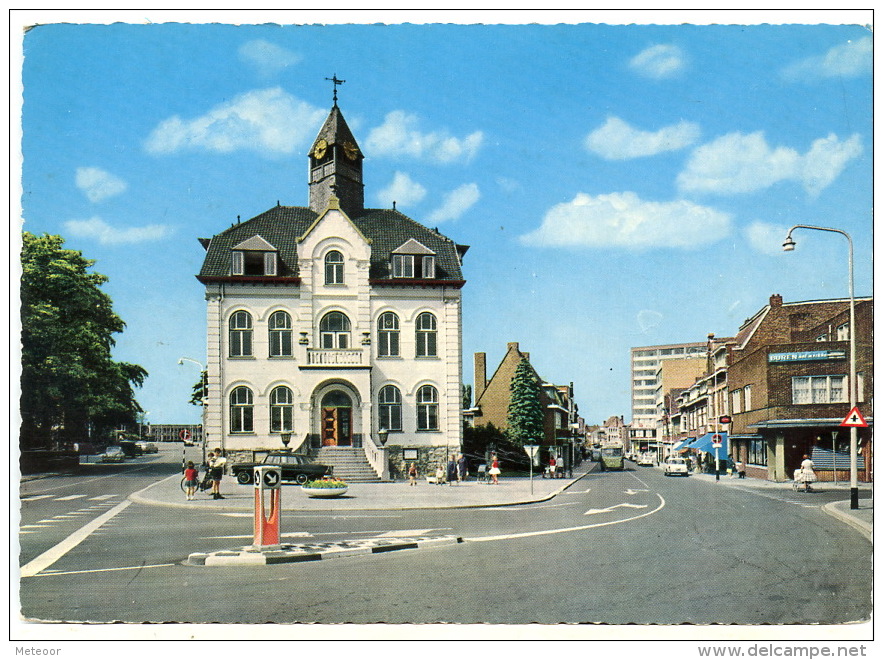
351 150
320 149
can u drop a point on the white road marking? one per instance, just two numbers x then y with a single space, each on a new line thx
632 491
577 492
101 498
405 532
35 498
69 497
615 506
52 555
524 507
564 530
289 516
102 570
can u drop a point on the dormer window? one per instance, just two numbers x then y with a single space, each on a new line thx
254 257
413 260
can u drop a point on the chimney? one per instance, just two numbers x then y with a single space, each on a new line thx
775 300
480 376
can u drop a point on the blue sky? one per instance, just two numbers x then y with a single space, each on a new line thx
619 185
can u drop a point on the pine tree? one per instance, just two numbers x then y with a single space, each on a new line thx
525 416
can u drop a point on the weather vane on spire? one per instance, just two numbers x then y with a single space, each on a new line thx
334 79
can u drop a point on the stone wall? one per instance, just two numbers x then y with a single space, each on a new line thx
428 460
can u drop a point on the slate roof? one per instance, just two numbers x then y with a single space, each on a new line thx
282 226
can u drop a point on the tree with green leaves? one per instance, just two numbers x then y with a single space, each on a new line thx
525 415
69 382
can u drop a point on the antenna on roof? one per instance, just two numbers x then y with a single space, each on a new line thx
393 205
237 219
277 203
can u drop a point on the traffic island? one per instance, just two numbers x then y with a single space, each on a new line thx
288 553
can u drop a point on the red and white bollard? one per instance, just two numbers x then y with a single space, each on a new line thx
267 506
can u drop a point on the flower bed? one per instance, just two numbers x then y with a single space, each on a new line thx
325 488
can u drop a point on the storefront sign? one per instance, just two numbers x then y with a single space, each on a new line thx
806 356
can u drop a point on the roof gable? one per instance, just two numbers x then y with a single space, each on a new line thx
256 242
412 246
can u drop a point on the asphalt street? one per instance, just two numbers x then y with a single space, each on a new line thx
613 547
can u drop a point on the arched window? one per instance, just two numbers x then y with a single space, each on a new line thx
241 411
240 334
334 267
388 335
280 334
427 408
427 343
390 400
334 330
281 410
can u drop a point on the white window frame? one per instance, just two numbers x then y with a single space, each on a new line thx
334 271
334 338
746 394
280 334
269 263
403 266
237 264
240 334
842 332
426 336
241 410
281 410
388 335
428 267
813 389
736 401
427 408
389 401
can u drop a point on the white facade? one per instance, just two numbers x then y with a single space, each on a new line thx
347 363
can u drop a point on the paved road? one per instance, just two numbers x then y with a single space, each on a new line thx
616 547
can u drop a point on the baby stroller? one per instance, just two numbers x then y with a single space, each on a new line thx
798 479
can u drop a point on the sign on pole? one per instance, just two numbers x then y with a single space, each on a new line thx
184 434
716 440
854 418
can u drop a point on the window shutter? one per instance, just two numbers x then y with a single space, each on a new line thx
238 263
269 263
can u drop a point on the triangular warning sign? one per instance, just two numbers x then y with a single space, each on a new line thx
854 418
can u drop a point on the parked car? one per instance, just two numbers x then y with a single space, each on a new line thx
130 448
295 468
112 454
676 465
147 447
647 458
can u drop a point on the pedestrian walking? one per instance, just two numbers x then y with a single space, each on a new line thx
807 473
412 474
191 479
740 468
462 469
495 469
216 469
552 465
452 470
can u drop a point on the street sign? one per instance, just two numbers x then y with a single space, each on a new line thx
854 418
725 419
271 478
531 450
184 434
716 440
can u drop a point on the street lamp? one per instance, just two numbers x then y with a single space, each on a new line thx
204 394
788 246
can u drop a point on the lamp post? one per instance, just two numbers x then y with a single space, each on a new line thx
204 394
788 246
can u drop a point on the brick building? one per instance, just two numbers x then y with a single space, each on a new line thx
492 398
788 388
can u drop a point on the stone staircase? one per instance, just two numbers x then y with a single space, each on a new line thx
349 464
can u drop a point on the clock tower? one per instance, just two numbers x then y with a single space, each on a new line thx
336 167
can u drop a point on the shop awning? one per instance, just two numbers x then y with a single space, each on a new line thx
705 444
682 444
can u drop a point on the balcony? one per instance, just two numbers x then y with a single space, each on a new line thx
336 358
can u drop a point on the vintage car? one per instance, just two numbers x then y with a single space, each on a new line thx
676 465
647 458
295 468
113 454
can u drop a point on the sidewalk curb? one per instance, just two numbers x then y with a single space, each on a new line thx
295 553
862 527
139 498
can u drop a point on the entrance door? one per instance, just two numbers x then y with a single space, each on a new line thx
336 419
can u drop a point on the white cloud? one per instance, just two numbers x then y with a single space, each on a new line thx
97 184
402 190
98 229
456 203
617 140
268 121
625 220
660 61
399 136
268 58
849 60
649 319
765 237
739 163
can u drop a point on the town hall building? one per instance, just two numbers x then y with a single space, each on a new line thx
334 326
